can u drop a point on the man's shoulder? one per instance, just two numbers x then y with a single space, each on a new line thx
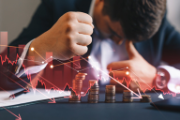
164 28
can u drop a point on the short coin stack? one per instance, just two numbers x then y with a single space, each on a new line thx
110 94
127 96
75 98
93 96
77 86
146 98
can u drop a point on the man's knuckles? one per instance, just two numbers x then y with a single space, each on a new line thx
70 16
70 27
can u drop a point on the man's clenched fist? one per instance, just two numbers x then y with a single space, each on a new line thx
69 36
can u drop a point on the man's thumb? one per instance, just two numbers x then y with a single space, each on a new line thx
131 50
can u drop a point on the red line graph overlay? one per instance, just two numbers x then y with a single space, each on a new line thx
55 78
62 83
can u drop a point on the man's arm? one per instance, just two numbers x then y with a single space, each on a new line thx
68 37
145 72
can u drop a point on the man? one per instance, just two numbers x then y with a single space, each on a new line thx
67 34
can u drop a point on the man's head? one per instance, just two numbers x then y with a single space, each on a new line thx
135 20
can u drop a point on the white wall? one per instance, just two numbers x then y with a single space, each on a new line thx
0 14
15 15
174 13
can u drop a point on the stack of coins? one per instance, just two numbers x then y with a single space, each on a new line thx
77 86
75 98
78 82
146 98
93 96
127 96
110 94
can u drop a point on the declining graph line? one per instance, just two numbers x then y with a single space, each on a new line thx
49 82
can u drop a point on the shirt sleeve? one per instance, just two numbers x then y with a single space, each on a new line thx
174 77
29 70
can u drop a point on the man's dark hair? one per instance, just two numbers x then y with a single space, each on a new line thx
140 19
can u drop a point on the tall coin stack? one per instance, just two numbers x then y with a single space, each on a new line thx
77 86
127 96
110 94
93 96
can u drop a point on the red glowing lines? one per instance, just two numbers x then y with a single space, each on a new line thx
116 80
82 58
139 94
52 99
29 75
124 86
10 46
7 59
39 55
67 65
54 86
68 62
145 83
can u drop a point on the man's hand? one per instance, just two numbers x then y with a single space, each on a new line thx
70 36
137 66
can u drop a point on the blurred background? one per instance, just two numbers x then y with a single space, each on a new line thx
16 15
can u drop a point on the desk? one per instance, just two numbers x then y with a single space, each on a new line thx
63 110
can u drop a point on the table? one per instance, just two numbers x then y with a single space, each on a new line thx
63 110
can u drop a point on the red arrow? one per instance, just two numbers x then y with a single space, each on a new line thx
18 117
139 97
52 101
